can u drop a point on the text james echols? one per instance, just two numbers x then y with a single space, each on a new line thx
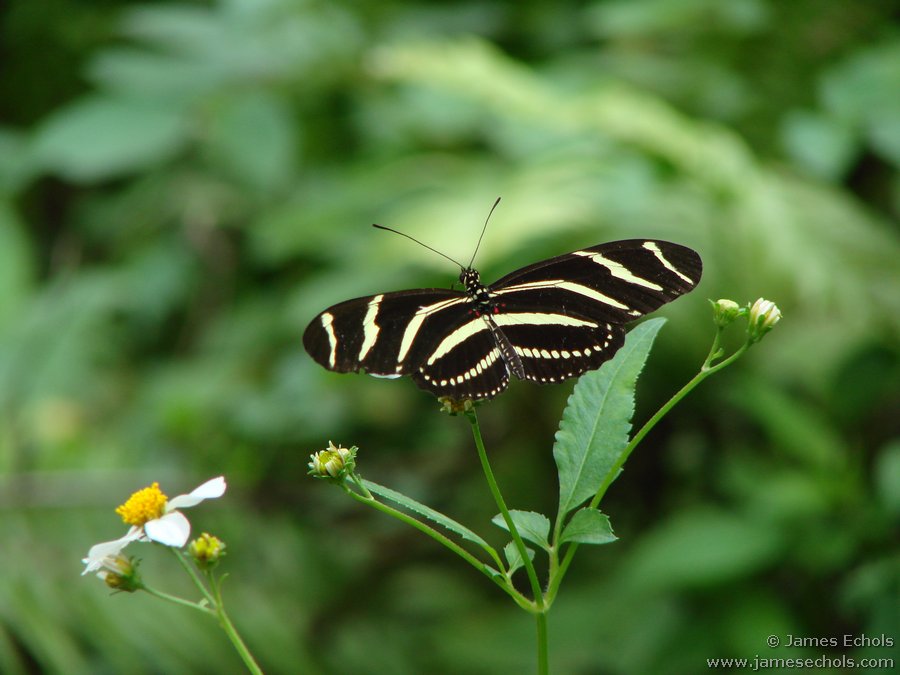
842 641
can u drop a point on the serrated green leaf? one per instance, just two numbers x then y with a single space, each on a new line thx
426 511
588 526
511 552
535 527
595 424
495 574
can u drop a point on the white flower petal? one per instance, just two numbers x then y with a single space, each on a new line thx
209 490
173 529
99 552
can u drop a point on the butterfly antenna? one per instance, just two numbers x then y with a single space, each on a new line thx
403 234
483 230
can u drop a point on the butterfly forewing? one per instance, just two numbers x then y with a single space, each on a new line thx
615 282
382 334
545 322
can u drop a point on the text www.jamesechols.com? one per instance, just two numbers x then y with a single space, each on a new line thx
833 660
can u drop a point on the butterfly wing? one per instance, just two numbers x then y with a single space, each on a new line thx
466 363
558 346
386 334
617 282
431 334
565 315
551 321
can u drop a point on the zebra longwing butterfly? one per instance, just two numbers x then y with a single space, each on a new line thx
545 322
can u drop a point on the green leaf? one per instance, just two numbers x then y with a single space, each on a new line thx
427 511
16 162
17 267
823 145
253 137
702 547
144 74
511 552
588 526
595 424
887 476
535 527
793 426
102 137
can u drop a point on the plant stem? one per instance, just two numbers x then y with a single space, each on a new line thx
504 511
410 519
178 601
706 370
192 573
217 607
370 500
540 607
542 642
236 640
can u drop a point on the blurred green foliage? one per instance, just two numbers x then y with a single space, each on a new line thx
183 186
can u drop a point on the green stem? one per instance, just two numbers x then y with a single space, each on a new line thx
504 511
178 601
542 642
217 608
192 573
430 531
705 371
501 580
236 640
540 607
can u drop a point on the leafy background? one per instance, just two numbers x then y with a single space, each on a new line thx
183 186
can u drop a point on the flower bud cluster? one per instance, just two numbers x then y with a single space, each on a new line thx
762 316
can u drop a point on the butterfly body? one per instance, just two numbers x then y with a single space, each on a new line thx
545 322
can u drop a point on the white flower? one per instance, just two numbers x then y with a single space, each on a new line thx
153 517
764 314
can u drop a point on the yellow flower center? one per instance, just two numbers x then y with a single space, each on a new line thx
143 506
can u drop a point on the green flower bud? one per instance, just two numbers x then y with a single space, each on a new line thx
206 550
764 314
335 462
725 311
453 406
120 573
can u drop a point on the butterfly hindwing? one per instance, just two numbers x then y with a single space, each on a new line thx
553 353
465 363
